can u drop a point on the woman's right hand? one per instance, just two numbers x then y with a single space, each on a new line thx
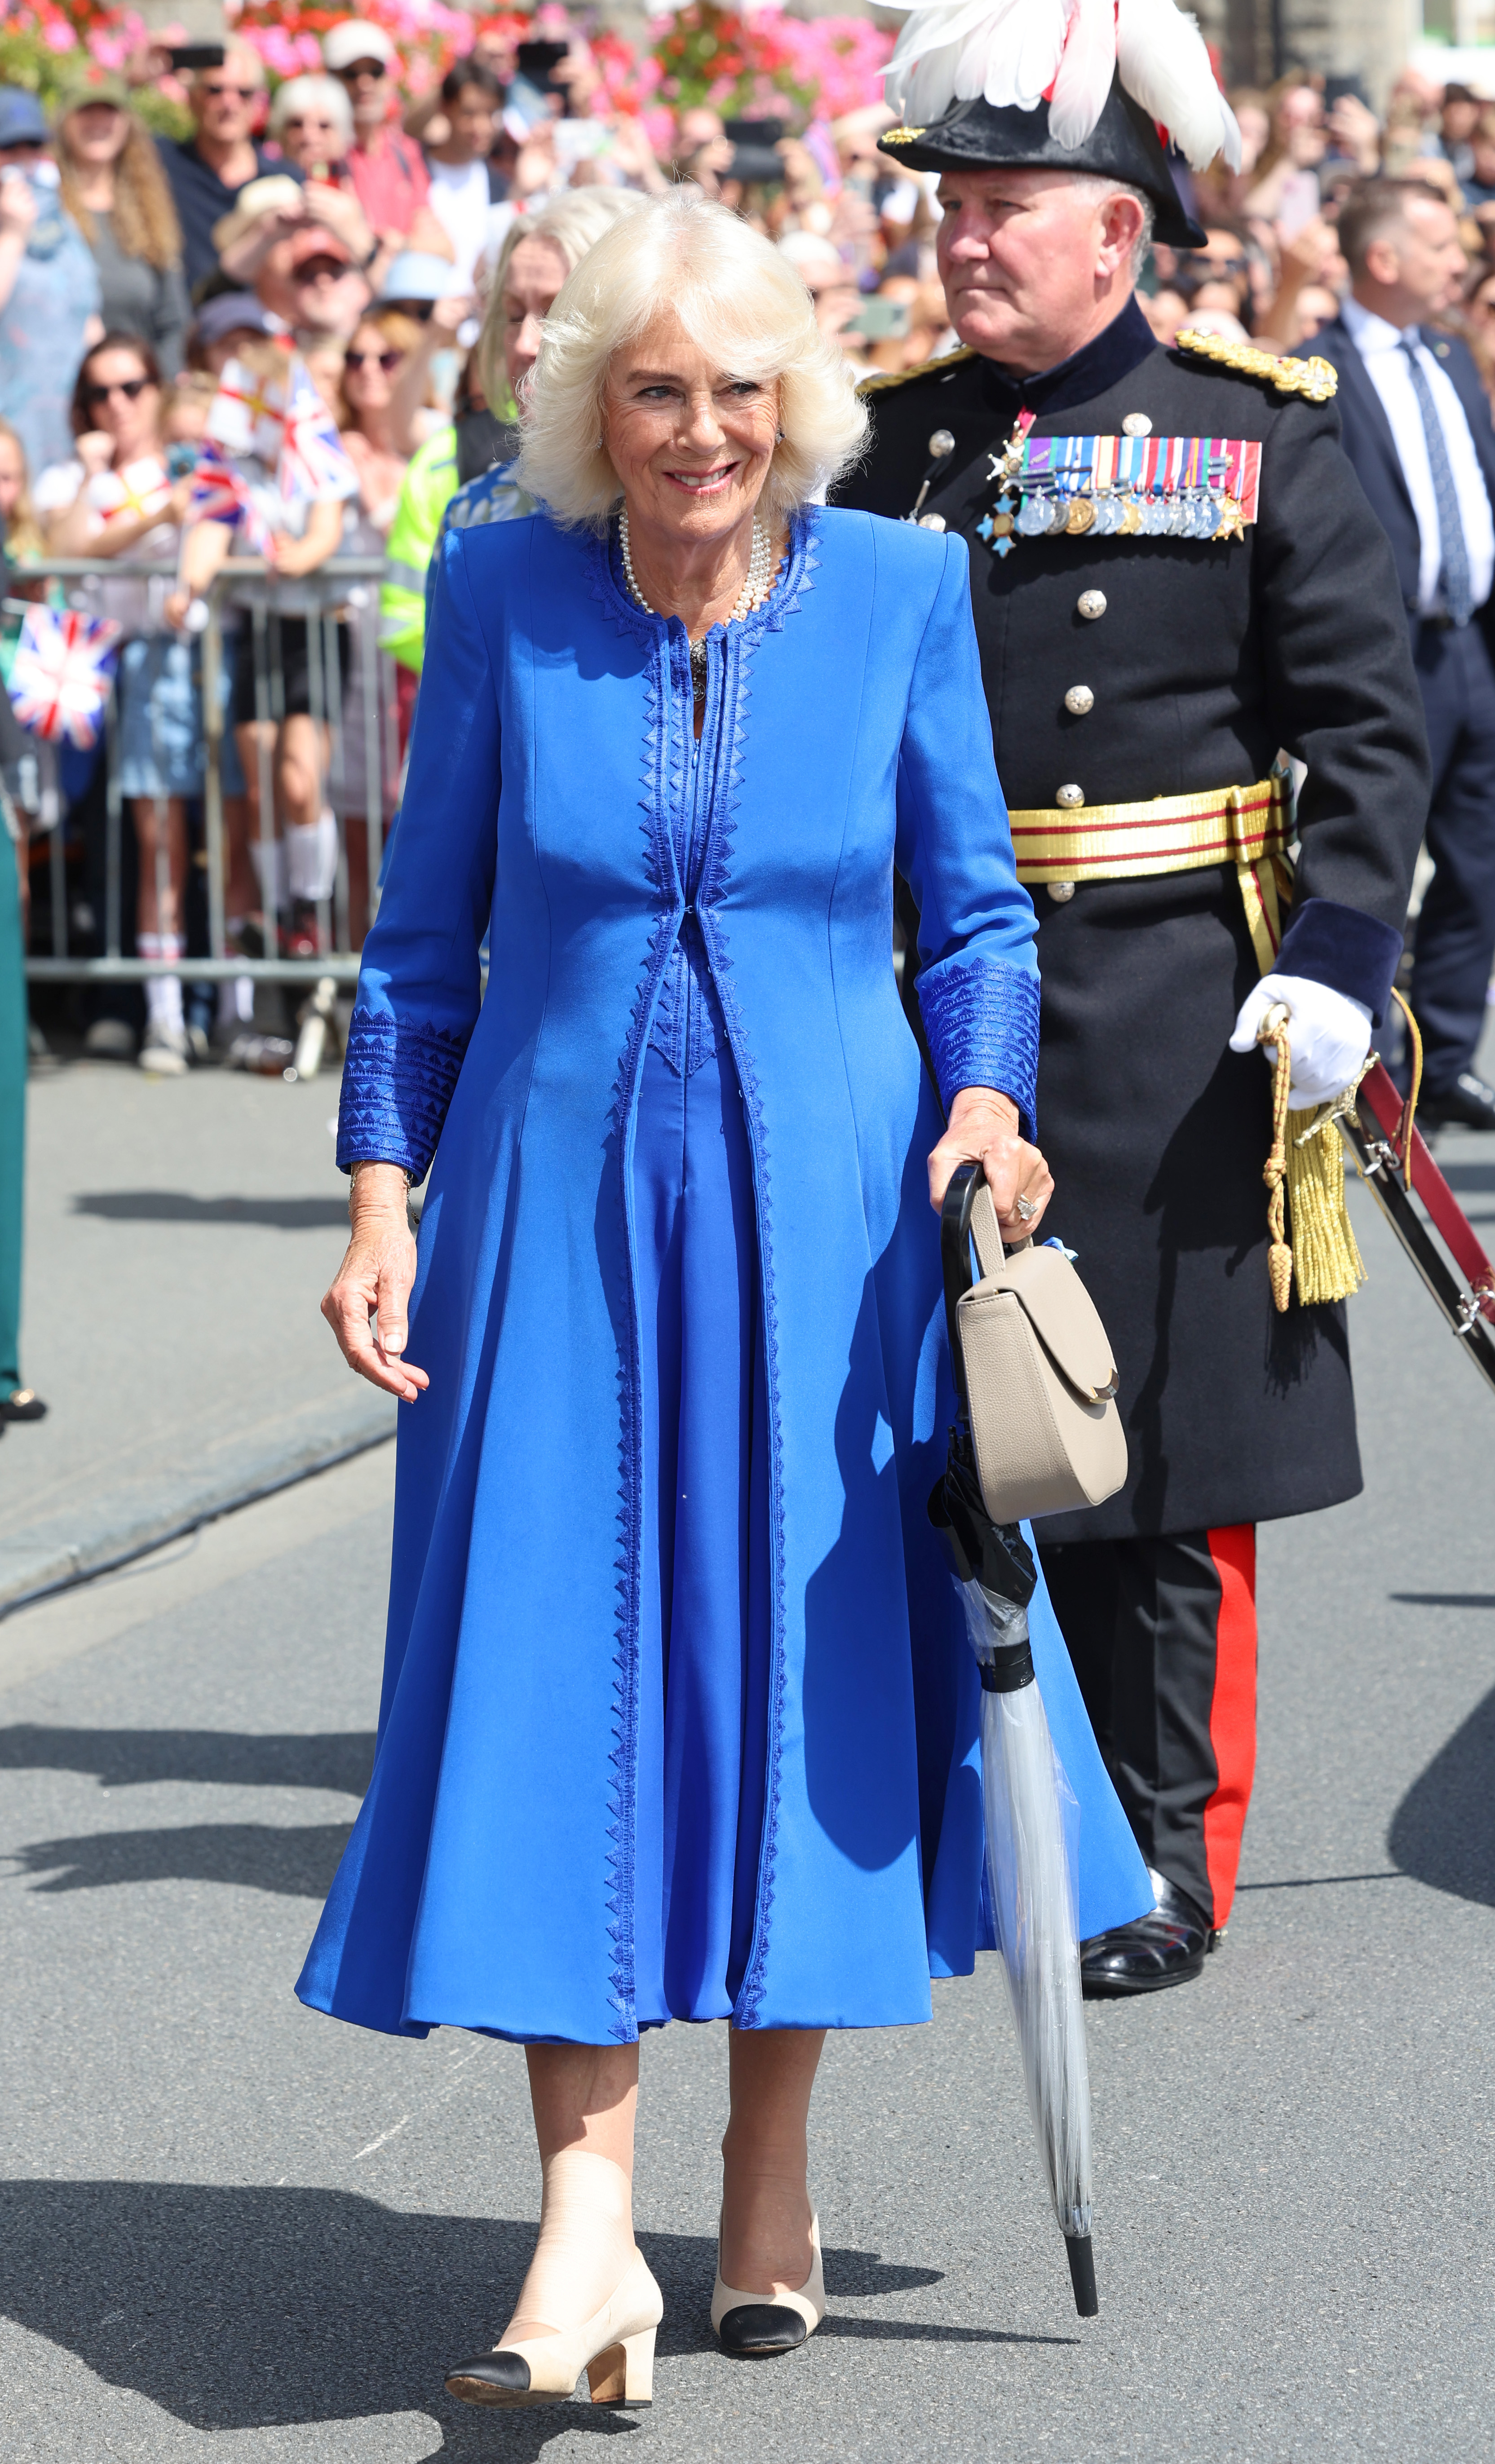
375 1277
96 451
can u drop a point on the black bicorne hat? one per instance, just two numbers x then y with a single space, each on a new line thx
1122 145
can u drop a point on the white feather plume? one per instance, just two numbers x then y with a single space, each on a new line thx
1014 51
1165 67
1085 70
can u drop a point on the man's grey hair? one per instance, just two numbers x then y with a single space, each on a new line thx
1095 184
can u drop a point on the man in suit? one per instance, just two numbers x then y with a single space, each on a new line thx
1416 427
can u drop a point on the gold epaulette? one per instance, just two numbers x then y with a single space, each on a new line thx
1318 380
883 380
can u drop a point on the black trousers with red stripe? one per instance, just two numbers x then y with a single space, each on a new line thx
1162 1634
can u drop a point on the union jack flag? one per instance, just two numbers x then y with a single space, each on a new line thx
312 463
221 494
61 673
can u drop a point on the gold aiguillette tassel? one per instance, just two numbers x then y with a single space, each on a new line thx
1273 1029
1326 1263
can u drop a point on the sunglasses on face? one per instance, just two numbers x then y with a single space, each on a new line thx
26 146
361 69
132 390
388 361
232 93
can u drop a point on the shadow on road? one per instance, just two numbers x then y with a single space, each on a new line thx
296 1860
1443 1832
177 1206
136 1757
240 2308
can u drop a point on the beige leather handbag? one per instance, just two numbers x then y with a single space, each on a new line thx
1033 1366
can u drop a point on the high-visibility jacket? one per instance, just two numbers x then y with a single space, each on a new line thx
428 487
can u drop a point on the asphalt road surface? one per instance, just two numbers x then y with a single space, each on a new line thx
230 2229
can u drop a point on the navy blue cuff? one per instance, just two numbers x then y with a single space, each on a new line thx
397 1083
1342 947
980 1016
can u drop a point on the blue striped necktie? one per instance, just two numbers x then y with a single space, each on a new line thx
1458 596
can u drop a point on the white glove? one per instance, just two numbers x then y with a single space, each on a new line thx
1330 1035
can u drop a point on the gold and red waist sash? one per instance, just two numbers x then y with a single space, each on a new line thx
1248 827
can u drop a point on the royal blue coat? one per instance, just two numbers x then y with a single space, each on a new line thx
489 1881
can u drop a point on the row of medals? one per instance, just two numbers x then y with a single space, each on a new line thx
1194 513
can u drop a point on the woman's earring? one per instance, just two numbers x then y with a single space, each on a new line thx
780 438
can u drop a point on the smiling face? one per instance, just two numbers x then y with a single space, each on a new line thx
690 443
1034 263
120 401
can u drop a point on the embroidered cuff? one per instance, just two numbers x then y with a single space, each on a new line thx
1352 953
980 1016
397 1083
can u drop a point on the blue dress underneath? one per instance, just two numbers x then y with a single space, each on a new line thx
706 1628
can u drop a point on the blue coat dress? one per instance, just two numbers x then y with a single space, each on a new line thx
678 1714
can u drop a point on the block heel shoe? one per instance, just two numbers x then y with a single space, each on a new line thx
616 2349
752 2327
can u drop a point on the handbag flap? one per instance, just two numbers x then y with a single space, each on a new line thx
1062 1315
1054 1301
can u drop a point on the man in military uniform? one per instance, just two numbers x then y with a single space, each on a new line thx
1175 578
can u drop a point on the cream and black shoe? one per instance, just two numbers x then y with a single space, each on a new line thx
615 2348
756 2326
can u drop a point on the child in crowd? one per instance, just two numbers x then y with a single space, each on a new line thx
276 485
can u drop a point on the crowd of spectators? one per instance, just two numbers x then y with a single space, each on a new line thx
406 254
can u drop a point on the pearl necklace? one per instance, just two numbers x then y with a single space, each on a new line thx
755 591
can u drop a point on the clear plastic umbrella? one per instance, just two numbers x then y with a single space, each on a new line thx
1030 1820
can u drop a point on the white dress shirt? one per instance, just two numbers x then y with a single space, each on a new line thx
1379 346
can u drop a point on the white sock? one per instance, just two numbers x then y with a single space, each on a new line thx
235 1001
586 2240
163 993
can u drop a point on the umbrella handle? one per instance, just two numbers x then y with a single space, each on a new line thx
966 1182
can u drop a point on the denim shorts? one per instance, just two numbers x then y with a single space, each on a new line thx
158 696
161 717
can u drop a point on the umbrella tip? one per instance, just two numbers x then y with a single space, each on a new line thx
1082 2273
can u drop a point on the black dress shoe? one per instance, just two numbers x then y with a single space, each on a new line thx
1468 1102
22 1404
1166 1948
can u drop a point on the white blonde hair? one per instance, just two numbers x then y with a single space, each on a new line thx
303 93
570 224
736 298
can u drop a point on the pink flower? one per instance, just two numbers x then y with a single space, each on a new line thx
59 37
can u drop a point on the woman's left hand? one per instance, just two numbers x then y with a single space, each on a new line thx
984 1129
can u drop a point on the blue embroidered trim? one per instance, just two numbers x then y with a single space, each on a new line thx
739 645
397 1084
663 682
981 1015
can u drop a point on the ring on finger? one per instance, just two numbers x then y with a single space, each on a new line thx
1026 1209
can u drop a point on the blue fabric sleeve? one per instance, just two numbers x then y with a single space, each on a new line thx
979 987
1342 947
418 987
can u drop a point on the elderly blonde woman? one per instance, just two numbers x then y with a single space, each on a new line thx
678 1721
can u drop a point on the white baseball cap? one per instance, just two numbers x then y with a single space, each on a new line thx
357 38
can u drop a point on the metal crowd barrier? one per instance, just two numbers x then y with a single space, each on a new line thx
359 773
